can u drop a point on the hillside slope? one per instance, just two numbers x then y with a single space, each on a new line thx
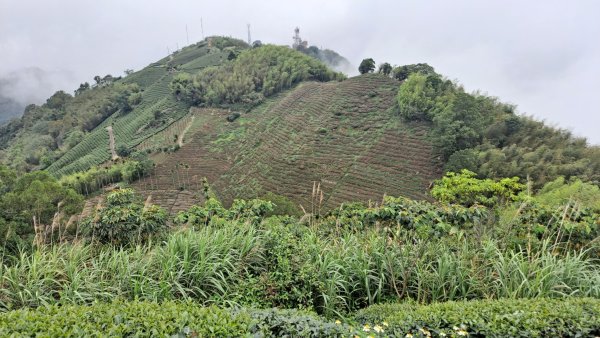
342 135
68 133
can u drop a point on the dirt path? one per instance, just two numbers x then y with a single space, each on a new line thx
180 137
111 142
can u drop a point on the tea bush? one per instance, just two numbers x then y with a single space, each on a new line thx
124 319
572 317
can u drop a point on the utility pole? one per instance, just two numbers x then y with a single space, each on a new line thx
249 39
202 28
187 36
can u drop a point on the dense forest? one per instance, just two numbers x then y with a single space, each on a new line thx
477 132
251 76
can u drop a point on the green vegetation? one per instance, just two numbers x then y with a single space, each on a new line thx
32 208
385 69
489 318
139 319
478 133
505 244
95 178
366 66
467 190
334 264
403 72
67 134
248 78
125 220
560 192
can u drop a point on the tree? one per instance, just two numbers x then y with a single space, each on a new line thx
58 100
421 96
82 88
366 66
403 72
128 71
385 69
123 151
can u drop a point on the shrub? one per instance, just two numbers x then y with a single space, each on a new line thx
124 319
293 323
560 191
421 96
167 319
397 215
282 205
233 116
123 150
125 220
252 211
465 189
571 317
403 72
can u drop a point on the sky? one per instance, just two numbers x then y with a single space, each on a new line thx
543 56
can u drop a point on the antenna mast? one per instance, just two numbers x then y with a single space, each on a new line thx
249 39
201 28
187 36
297 39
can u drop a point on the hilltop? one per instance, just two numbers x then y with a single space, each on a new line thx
261 121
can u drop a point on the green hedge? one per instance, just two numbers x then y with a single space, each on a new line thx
119 319
569 317
168 319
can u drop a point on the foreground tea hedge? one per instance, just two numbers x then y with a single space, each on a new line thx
570 317
168 319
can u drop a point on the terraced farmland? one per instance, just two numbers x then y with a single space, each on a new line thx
342 134
138 125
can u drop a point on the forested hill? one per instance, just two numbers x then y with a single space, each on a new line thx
263 119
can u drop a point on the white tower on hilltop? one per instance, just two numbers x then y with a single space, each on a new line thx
297 39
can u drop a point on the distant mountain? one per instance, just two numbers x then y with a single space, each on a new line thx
9 108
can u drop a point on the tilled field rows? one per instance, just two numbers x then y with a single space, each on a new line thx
343 135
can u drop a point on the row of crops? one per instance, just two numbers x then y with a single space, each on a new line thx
138 125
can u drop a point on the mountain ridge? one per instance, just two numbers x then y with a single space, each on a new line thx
390 132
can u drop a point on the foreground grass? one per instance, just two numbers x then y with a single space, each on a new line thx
571 317
277 264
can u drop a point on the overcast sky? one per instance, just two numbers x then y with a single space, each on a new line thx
543 56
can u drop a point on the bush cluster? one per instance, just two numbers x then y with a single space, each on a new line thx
124 319
574 317
254 74
95 178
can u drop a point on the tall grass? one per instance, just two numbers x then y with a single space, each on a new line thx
343 273
201 265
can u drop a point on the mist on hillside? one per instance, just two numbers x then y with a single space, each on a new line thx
25 86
